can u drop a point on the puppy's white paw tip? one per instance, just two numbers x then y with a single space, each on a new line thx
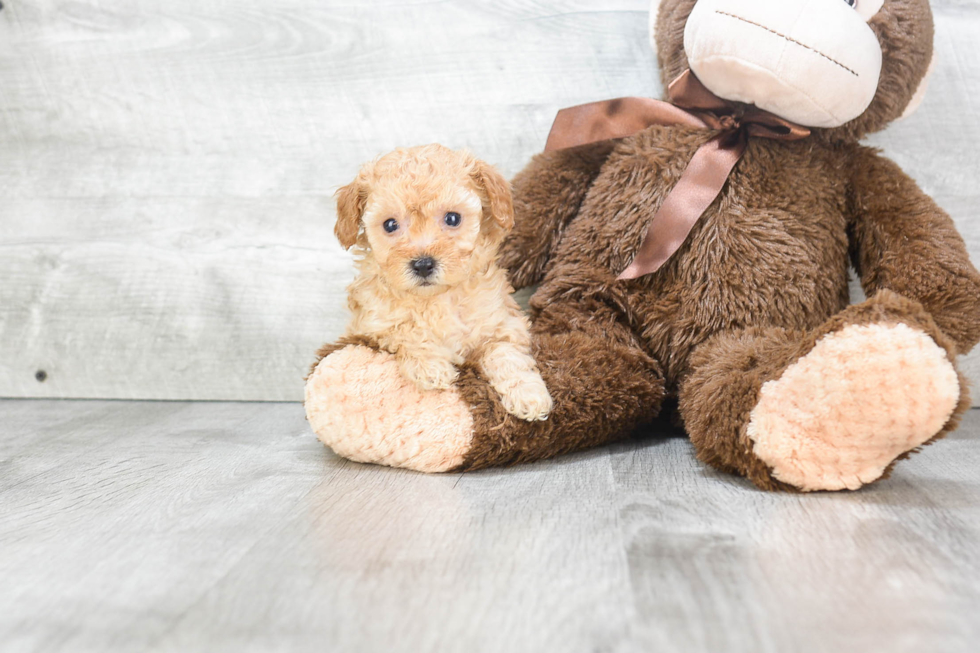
528 401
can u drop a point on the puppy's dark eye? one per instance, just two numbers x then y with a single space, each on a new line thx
453 219
851 2
390 225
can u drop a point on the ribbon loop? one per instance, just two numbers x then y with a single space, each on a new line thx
692 105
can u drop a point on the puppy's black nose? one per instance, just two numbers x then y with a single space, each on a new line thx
424 267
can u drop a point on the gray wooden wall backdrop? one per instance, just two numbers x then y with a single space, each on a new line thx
166 168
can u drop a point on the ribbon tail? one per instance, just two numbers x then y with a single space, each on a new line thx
698 188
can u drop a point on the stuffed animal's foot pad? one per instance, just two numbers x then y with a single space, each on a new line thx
361 406
863 396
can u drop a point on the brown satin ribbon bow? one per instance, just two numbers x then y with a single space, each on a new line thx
692 105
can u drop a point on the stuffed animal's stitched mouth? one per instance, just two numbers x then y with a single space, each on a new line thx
790 39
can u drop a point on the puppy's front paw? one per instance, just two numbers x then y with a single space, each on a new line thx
528 400
429 373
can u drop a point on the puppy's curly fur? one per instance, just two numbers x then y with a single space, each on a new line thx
425 224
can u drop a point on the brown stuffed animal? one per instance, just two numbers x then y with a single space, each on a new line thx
747 323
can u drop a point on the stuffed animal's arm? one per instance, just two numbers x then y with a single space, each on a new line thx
547 196
902 241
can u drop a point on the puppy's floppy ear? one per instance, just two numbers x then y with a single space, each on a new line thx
351 202
497 190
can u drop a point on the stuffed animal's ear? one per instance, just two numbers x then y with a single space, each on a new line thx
920 92
499 205
351 201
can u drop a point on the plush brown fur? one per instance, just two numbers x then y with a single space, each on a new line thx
761 278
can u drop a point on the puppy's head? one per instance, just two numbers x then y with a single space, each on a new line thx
427 217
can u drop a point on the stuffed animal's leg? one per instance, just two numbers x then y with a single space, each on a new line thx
829 409
601 381
603 385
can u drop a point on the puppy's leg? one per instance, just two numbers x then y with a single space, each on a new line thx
427 367
512 372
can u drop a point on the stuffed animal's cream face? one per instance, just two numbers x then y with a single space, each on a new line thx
814 62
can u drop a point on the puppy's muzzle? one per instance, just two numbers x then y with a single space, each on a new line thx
423 267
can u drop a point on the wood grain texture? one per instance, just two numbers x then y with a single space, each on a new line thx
128 526
168 167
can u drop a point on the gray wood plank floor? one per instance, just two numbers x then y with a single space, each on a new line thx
227 527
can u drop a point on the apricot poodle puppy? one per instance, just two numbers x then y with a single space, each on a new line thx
425 224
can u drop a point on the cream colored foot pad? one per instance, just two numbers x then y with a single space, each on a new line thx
862 397
360 405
